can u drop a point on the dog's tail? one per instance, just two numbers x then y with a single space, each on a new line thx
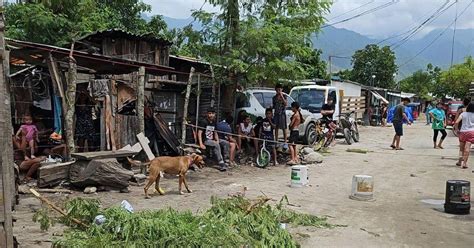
137 163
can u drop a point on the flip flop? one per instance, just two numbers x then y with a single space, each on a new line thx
464 167
392 146
399 149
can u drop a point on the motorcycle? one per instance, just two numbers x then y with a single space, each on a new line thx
348 127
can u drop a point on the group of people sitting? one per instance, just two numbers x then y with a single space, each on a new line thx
224 139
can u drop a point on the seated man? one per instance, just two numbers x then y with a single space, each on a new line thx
327 111
246 132
29 166
208 138
227 142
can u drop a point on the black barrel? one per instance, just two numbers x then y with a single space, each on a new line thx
458 199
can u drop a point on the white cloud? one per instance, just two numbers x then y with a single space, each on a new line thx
179 9
394 19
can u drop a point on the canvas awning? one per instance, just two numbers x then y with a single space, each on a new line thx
379 97
402 94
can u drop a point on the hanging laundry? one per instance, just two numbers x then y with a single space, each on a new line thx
99 87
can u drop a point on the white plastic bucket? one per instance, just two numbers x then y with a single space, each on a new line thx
299 175
362 187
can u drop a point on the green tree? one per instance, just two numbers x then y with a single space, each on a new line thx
59 22
313 65
420 82
455 81
257 42
373 60
344 74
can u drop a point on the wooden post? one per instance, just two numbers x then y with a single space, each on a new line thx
198 98
186 103
6 150
141 100
71 102
213 97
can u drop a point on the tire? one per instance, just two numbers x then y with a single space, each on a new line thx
321 141
347 136
455 132
310 136
355 132
329 139
263 159
320 138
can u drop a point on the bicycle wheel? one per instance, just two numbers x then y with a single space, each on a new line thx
263 159
320 141
455 132
355 132
330 136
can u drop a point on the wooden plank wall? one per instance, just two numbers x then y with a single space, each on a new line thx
350 104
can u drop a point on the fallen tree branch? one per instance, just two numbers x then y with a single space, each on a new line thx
50 204
259 202
67 191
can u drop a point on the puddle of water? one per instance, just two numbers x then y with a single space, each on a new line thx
433 201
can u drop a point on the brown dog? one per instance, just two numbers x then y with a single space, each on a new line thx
170 165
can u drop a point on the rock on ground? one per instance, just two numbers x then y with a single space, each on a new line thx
313 157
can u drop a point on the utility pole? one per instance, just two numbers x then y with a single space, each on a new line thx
6 150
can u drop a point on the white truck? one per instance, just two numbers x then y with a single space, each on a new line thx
313 97
254 101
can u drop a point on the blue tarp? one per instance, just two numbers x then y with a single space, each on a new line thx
408 112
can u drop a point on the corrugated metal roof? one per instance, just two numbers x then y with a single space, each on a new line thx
115 32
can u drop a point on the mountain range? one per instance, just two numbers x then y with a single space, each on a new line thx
412 55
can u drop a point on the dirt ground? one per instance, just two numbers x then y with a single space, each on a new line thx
407 211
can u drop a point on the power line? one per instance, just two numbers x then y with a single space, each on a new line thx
430 19
412 27
369 11
454 34
437 37
352 10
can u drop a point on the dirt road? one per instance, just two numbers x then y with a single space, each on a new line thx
407 212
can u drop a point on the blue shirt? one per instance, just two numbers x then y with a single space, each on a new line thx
223 126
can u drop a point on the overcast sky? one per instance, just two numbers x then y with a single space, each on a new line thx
393 19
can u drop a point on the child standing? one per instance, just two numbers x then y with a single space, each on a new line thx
439 124
266 132
29 133
296 120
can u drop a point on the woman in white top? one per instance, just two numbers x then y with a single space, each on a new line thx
466 134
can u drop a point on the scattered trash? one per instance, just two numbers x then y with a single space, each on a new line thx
127 206
283 225
99 219
90 190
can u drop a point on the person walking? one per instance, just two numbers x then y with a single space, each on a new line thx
428 108
466 134
439 124
398 117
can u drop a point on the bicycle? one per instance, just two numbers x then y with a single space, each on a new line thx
325 136
264 157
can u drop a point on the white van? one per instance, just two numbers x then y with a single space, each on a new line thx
312 98
254 101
